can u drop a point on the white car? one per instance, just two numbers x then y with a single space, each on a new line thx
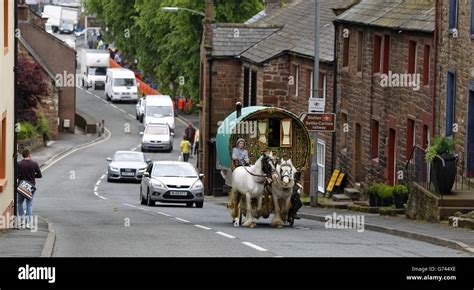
140 109
157 137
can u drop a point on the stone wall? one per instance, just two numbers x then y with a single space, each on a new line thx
422 205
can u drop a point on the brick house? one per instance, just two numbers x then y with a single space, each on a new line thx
385 84
267 61
455 64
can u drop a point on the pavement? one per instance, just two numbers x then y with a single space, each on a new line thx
39 241
434 233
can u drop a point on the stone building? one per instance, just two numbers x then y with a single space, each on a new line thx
267 61
455 92
385 83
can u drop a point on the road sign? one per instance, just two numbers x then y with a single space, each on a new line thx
320 122
316 105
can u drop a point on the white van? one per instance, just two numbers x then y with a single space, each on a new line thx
159 109
121 85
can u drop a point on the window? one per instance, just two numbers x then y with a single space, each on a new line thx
453 14
296 80
320 156
360 47
410 136
309 83
386 54
412 57
322 85
344 130
286 133
377 52
345 57
375 140
274 134
450 103
472 19
426 65
246 87
6 36
3 150
253 91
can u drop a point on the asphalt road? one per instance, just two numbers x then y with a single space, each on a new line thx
94 218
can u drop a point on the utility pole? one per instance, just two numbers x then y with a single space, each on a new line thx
314 163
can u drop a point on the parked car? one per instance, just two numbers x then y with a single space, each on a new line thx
172 182
127 165
140 109
157 137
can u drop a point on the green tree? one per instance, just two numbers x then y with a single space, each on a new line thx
166 45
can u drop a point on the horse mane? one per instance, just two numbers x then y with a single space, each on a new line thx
258 165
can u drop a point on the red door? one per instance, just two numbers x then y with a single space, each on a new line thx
391 157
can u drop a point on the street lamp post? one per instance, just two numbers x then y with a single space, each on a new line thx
177 9
314 162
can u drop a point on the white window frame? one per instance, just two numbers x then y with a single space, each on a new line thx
321 162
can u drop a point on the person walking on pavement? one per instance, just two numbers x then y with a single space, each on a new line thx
196 143
190 133
185 148
28 170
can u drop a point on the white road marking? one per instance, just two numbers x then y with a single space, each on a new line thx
225 235
158 212
255 247
96 194
131 116
129 205
105 101
98 182
95 188
184 221
89 92
123 111
202 227
141 208
77 149
179 119
114 106
102 177
303 228
97 96
102 197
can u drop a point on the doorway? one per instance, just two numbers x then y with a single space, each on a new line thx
358 153
391 159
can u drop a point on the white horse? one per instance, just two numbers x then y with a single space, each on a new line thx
250 181
282 190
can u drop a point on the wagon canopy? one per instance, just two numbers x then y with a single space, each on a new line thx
264 129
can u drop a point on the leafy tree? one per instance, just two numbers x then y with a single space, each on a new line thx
32 86
166 45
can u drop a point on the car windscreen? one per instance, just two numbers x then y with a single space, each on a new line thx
129 157
173 170
156 130
159 111
124 82
98 71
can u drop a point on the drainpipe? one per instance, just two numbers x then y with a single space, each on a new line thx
209 127
15 112
435 49
334 98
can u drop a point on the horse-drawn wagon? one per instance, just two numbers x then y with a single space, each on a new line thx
278 146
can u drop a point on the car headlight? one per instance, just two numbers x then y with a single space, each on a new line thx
197 185
157 184
142 169
114 169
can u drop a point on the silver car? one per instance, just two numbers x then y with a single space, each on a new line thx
140 109
127 165
172 182
157 137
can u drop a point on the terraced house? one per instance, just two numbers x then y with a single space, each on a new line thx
267 61
7 56
385 82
